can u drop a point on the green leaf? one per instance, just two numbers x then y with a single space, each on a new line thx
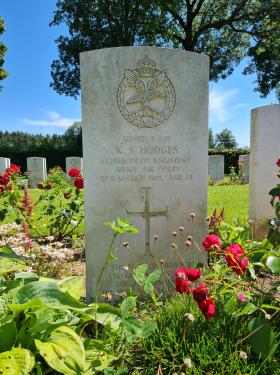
17 361
154 276
8 334
97 356
27 276
263 338
8 265
248 309
63 351
127 305
139 274
273 263
74 285
7 252
49 293
231 305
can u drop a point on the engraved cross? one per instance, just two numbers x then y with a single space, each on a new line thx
147 214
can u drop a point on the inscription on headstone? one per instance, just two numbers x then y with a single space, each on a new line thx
4 163
264 152
37 168
145 137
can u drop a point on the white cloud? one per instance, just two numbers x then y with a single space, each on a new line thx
240 106
54 119
219 106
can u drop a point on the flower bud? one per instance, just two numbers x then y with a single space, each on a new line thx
181 229
125 268
189 317
192 215
187 362
243 355
155 237
125 244
174 233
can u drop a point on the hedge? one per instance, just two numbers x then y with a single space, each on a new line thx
231 156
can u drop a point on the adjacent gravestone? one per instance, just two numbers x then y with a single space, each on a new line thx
245 159
265 150
216 167
4 163
145 142
74 162
37 168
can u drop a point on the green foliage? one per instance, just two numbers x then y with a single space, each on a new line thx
3 50
57 177
225 140
225 31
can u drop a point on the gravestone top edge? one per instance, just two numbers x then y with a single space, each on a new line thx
264 107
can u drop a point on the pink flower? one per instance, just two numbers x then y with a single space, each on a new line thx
210 241
182 283
236 258
74 172
241 297
194 274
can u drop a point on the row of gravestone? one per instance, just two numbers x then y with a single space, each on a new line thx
37 167
216 167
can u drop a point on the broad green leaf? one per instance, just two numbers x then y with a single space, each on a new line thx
154 276
49 293
263 338
7 252
97 356
8 265
139 274
273 263
127 305
17 361
27 276
248 309
8 334
63 351
74 285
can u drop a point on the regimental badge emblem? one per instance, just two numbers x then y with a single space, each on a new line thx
146 97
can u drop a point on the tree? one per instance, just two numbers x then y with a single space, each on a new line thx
225 30
73 136
225 139
3 49
94 24
211 140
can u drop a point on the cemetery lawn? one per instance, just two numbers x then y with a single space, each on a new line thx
234 200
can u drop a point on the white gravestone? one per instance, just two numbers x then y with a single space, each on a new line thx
37 168
145 142
216 167
74 162
265 151
246 161
4 163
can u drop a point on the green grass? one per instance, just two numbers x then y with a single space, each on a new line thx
233 198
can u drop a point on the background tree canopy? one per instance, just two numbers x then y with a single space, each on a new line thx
3 49
225 30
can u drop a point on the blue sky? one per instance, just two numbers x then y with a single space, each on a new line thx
27 103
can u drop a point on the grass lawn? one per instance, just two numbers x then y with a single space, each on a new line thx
234 199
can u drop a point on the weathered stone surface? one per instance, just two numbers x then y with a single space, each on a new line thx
265 151
4 163
74 162
246 160
145 142
216 167
37 167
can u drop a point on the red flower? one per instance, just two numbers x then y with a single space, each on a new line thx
13 169
10 187
210 241
200 293
208 308
278 163
4 179
236 258
2 188
193 274
182 283
79 182
74 172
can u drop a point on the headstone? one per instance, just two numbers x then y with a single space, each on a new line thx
4 163
145 144
216 167
37 168
245 159
74 162
265 151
